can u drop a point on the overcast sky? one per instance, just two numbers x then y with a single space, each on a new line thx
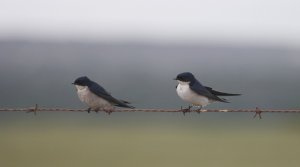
255 21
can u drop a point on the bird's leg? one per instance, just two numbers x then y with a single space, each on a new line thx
185 110
108 111
199 110
89 110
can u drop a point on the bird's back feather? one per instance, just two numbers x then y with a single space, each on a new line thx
101 92
197 87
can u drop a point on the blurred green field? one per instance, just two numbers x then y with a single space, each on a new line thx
50 143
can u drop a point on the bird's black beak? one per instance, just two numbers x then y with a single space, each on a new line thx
73 83
175 79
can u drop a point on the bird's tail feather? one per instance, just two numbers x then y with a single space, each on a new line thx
223 93
224 100
124 104
217 93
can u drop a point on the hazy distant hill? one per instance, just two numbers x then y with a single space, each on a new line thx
41 72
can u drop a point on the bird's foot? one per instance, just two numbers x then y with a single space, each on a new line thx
88 110
185 110
108 111
199 110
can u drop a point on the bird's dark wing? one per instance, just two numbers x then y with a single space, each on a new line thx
101 92
217 93
201 90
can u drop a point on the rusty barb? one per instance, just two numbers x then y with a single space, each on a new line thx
257 110
258 113
33 109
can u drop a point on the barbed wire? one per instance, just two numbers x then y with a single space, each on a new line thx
257 110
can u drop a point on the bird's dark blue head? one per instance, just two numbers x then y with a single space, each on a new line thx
82 81
185 77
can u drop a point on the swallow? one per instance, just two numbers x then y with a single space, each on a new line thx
96 97
190 90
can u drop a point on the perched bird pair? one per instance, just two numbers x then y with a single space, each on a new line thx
188 89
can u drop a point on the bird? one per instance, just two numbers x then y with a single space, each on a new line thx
190 90
96 97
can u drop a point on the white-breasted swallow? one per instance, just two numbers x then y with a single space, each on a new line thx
192 91
96 97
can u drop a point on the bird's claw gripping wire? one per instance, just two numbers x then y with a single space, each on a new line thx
199 110
185 110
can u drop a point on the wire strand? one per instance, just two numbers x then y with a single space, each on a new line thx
257 111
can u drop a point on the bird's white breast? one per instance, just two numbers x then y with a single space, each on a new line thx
92 100
185 93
